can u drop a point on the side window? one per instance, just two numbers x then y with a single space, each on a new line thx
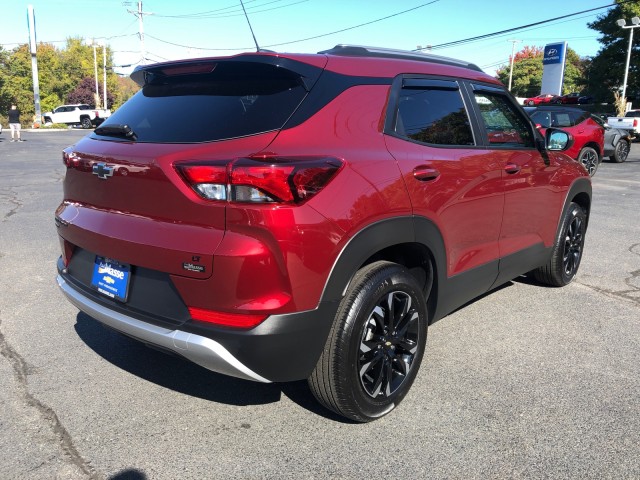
433 115
503 123
541 118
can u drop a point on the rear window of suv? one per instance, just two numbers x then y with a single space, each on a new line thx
228 100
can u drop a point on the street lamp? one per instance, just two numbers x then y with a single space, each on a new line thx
513 52
623 23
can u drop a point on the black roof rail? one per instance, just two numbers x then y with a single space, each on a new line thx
362 51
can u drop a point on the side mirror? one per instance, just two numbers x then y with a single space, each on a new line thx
557 140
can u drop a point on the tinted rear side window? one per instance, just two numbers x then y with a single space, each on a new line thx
434 116
235 99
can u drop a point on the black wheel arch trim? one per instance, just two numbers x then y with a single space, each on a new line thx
580 193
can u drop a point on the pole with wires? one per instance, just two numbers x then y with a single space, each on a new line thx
140 14
513 52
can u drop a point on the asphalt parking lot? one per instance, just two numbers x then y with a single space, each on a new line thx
526 382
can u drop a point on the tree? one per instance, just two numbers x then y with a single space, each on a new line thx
527 72
605 74
62 75
85 92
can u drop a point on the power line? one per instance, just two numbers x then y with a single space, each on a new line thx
510 30
233 13
300 40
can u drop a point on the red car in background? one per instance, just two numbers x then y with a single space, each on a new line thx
540 99
588 135
569 98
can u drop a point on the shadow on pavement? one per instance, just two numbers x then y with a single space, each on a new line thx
180 375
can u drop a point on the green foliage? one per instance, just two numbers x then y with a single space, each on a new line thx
60 72
605 74
527 72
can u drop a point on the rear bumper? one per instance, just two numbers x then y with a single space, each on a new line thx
282 348
201 350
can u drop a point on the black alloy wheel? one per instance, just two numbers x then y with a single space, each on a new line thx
567 251
377 341
573 243
588 157
388 345
621 152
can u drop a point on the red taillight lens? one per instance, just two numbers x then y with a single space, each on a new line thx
635 122
238 320
208 180
253 179
69 158
261 180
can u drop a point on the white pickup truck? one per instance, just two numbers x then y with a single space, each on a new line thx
630 121
78 114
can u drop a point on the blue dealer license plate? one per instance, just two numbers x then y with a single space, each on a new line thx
111 278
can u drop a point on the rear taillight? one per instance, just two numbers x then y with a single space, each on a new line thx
237 320
261 180
635 122
69 158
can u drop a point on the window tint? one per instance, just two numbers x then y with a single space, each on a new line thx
504 125
558 119
232 100
434 116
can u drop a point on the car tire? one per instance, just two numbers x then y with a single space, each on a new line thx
375 346
621 152
589 158
531 103
567 249
85 122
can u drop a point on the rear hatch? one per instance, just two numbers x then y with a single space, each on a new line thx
124 198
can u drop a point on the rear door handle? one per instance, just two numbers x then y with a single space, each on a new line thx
512 168
425 173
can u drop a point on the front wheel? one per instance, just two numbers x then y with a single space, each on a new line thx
589 158
621 152
567 249
375 346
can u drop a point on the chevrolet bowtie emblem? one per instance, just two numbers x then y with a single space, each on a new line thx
102 170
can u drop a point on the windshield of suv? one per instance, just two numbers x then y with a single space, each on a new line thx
230 100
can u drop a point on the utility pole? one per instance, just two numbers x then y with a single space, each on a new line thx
31 22
104 73
140 14
513 53
95 72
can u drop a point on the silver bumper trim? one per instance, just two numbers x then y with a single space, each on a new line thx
200 350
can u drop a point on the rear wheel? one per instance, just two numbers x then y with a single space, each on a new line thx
376 344
621 152
567 249
589 158
85 122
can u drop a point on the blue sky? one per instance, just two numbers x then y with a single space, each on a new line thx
198 28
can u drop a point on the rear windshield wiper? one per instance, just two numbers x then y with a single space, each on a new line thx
116 130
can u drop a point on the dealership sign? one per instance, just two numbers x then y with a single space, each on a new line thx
553 63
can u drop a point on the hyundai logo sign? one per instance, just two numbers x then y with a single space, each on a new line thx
553 54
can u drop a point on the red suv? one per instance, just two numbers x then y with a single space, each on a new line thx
588 134
278 217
